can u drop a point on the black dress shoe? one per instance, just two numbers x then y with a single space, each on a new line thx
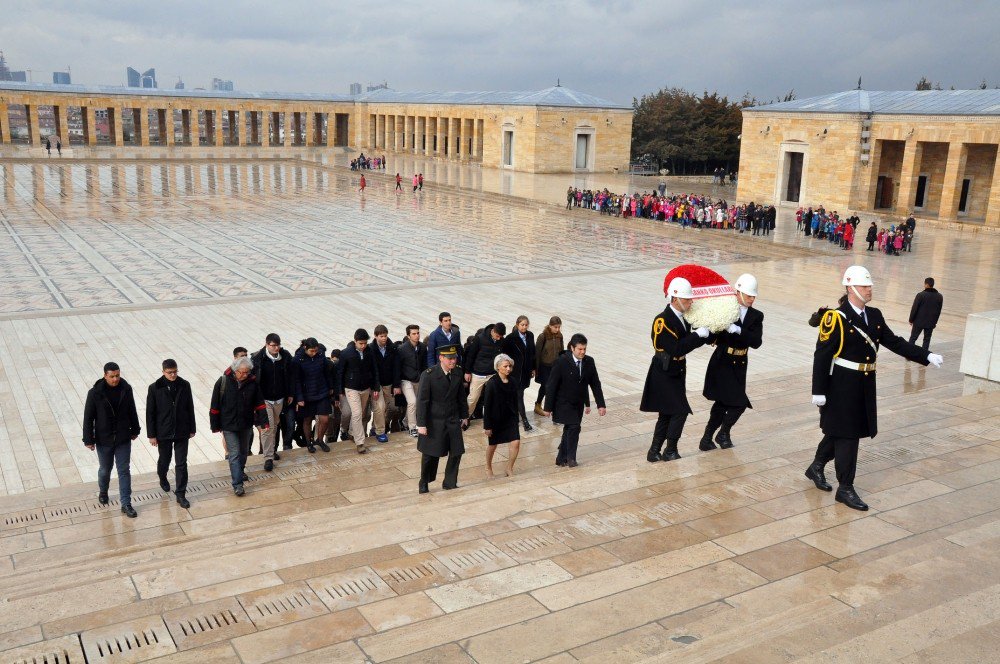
165 485
560 463
312 449
572 463
653 456
528 427
724 441
850 497
277 457
268 465
423 488
131 513
323 446
815 473
706 444
244 478
449 487
102 498
183 502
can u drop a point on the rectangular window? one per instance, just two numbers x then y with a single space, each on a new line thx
508 148
582 150
921 198
963 199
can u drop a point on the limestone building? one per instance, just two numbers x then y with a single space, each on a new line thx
933 152
556 130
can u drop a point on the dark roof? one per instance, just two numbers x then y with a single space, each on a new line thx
898 102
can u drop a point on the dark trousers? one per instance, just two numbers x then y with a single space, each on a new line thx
928 331
844 453
669 427
429 469
237 449
520 405
118 455
722 415
177 448
568 444
286 427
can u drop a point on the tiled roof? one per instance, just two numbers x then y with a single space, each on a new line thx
901 102
554 96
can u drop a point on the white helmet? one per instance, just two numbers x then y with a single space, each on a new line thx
747 284
857 275
680 287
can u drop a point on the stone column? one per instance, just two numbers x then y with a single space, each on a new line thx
953 172
115 126
62 123
908 180
475 141
4 124
220 138
440 122
331 128
428 138
168 137
89 122
993 204
307 127
254 128
143 129
289 117
31 115
460 153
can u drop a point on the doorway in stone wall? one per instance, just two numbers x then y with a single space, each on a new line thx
793 177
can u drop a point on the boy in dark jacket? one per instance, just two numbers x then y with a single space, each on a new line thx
315 390
237 405
387 368
110 424
169 426
274 369
479 360
359 382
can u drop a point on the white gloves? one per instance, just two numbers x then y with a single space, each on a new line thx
935 359
734 328
702 332
819 399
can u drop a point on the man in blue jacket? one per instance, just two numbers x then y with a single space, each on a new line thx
446 334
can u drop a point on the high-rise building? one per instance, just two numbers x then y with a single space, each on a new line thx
372 87
355 89
220 84
133 78
61 78
149 78
8 75
179 85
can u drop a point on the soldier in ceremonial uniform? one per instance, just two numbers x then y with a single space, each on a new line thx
442 414
726 377
843 383
664 391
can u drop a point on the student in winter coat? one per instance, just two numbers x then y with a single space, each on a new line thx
110 424
547 349
520 346
315 390
169 425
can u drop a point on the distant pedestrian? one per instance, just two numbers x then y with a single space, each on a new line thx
59 146
416 182
170 424
399 182
925 312
363 184
48 146
110 424
420 181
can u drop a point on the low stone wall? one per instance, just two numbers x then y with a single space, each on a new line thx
981 351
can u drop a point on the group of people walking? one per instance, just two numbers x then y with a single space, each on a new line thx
311 398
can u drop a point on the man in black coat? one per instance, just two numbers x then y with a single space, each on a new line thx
726 376
169 425
871 236
843 383
387 368
110 424
520 345
274 369
665 391
567 397
442 414
925 312
411 358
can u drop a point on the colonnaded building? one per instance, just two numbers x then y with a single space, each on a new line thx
932 152
556 130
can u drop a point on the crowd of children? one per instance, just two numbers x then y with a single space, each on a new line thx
363 163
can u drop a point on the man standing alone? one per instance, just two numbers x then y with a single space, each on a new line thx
110 424
169 426
442 413
925 312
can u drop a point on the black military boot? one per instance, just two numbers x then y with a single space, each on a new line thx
670 454
706 444
815 473
723 439
850 497
653 455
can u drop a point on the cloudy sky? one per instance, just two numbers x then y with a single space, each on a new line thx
617 49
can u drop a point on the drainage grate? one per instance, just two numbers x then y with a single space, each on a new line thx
296 472
22 519
413 573
66 512
344 590
217 484
64 650
135 641
195 626
474 558
281 605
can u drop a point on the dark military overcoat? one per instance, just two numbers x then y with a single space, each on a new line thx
664 391
726 376
441 407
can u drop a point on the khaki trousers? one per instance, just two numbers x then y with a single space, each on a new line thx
475 389
410 393
384 405
269 437
357 400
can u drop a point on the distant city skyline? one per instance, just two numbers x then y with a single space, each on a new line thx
766 48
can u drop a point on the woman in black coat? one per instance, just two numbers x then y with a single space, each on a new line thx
500 413
522 352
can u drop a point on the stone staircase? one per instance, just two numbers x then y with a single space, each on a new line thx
722 555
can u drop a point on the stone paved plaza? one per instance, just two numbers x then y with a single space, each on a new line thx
722 556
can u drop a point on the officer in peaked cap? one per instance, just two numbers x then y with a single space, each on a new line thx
442 414
843 382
